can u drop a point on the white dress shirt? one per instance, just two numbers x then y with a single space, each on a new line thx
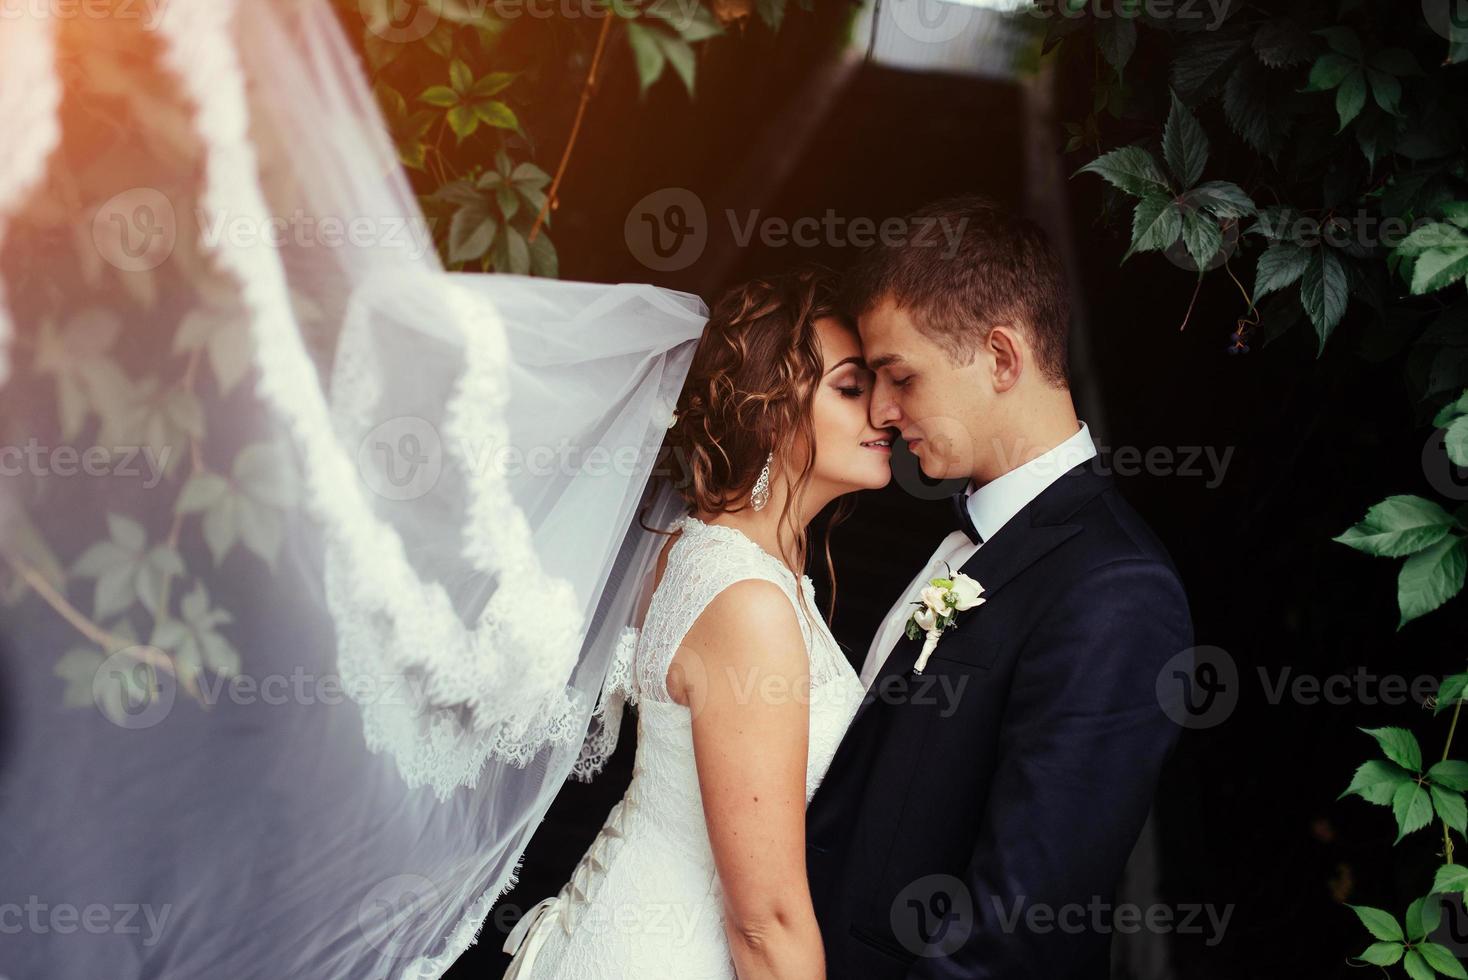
991 506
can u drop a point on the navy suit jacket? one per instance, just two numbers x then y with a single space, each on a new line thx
976 818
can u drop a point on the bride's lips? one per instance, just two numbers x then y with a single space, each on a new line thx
880 445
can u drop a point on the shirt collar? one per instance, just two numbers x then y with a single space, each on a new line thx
993 504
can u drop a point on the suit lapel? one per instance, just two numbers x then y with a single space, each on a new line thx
1040 527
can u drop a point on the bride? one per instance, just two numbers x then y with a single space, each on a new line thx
299 700
743 694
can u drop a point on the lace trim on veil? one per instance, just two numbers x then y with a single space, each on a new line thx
496 689
606 721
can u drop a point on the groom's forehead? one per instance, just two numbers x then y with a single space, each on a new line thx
888 335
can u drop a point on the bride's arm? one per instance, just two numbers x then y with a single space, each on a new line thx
744 673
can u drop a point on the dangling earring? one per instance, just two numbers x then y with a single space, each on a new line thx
760 495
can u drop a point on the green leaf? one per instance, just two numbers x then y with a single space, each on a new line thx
1395 61
1184 144
1455 441
464 121
1116 38
126 532
440 40
1386 90
471 232
1416 966
647 53
508 201
1202 61
224 335
1443 960
497 114
1449 806
1399 745
492 84
1382 954
1438 269
1432 235
1202 236
1156 224
1400 525
439 95
1329 70
1413 809
1324 291
513 252
1282 43
460 77
1452 410
1430 578
1130 169
1382 925
695 22
679 54
1279 266
1452 773
194 640
1223 198
1350 98
1450 878
543 258
266 474
1423 916
1376 781
1342 40
528 175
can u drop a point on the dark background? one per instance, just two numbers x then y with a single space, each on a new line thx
1247 814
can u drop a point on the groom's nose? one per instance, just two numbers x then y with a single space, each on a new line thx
884 413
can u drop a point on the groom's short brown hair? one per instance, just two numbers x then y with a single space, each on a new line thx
963 266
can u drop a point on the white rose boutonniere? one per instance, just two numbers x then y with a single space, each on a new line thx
941 600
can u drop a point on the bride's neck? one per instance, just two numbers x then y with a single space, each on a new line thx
768 527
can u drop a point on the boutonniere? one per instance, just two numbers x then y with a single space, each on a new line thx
938 604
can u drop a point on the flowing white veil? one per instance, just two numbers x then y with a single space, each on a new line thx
314 558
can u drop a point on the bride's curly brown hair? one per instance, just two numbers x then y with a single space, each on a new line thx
749 393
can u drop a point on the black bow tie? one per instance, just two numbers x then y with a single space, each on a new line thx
965 519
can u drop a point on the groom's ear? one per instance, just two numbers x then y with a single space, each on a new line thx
1008 353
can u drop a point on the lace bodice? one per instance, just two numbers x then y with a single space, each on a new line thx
653 853
707 559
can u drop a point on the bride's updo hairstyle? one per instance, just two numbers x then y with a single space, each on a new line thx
749 392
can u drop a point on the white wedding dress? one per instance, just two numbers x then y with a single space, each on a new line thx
645 900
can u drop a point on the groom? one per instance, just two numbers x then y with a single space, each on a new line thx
978 814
